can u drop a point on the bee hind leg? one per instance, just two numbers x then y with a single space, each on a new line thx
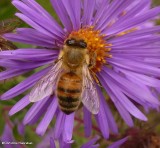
91 62
95 77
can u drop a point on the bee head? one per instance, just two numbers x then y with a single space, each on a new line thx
76 43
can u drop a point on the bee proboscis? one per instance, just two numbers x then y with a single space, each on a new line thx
72 78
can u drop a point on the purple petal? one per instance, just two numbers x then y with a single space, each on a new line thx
102 8
118 143
48 24
68 127
30 39
114 10
123 112
87 122
88 13
133 88
143 79
135 66
136 9
46 140
130 107
137 41
21 129
59 126
133 22
40 113
34 25
15 64
111 121
32 32
73 9
91 143
138 33
61 11
24 85
99 3
33 111
30 54
52 144
42 127
7 135
19 105
63 144
39 9
12 73
103 121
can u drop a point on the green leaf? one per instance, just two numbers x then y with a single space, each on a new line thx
31 136
16 135
2 123
8 103
7 9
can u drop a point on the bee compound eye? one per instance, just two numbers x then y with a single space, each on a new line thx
70 42
83 44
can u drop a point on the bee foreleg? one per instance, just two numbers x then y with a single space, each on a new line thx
61 54
57 60
92 60
60 57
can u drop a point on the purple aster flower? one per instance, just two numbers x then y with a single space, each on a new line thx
115 54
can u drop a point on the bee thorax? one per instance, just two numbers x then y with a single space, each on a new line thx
73 57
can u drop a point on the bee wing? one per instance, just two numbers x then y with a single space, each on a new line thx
90 97
45 86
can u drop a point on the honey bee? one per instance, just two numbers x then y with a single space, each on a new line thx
72 78
7 26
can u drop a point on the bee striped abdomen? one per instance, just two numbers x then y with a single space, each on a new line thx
69 90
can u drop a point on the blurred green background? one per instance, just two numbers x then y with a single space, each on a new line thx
7 11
